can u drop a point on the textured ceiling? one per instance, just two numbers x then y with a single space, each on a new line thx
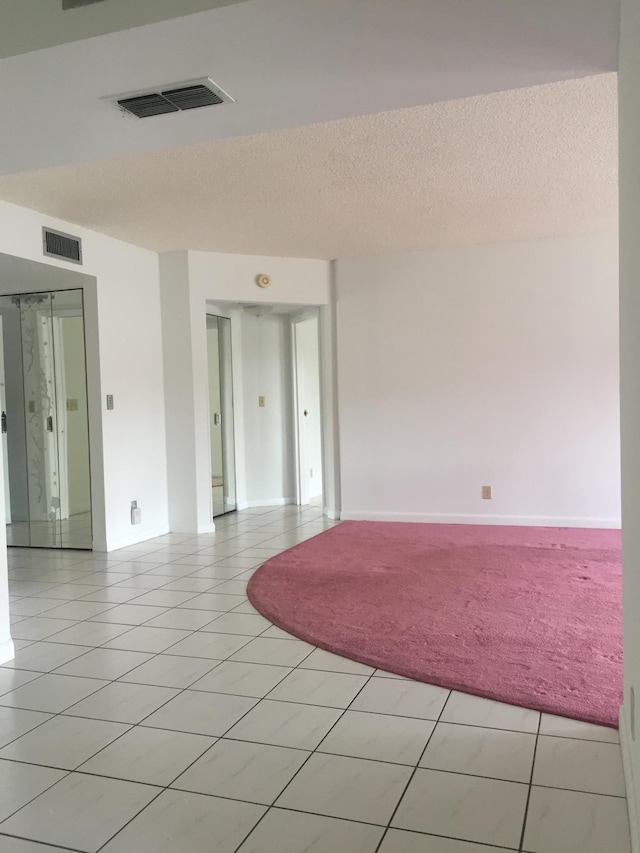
528 163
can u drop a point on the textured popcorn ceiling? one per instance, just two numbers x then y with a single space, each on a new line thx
529 163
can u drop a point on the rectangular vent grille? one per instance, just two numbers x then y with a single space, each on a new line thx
73 4
65 247
187 96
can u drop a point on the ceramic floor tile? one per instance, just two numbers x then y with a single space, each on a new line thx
129 614
43 657
11 679
63 742
71 591
164 598
350 788
20 783
400 841
213 573
77 610
51 693
403 698
178 820
286 724
90 633
321 659
16 722
154 756
170 671
282 831
242 679
243 771
214 601
481 752
314 687
564 727
378 736
271 651
205 644
19 845
189 584
239 623
186 620
33 606
123 703
108 664
142 583
470 808
569 822
112 595
147 639
39 628
80 811
232 587
201 713
476 711
580 765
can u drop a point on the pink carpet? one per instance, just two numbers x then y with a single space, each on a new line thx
526 615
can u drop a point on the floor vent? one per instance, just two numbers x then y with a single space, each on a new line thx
65 247
178 98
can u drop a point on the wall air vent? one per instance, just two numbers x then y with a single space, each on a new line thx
65 247
173 99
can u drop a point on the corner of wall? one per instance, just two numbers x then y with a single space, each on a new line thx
630 780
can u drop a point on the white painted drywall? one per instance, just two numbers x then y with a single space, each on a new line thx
494 365
629 83
124 358
268 431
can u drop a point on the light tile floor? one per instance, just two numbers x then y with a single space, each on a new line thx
150 709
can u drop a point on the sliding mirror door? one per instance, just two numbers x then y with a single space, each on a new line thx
221 426
44 422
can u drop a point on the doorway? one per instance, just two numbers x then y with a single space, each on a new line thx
308 411
44 420
221 420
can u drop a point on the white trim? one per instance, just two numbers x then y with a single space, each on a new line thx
133 539
331 513
7 651
632 790
266 502
523 520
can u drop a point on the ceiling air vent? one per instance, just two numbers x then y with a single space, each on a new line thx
65 247
177 98
73 4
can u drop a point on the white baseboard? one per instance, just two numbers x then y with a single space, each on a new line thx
265 502
630 782
7 651
131 539
509 520
332 514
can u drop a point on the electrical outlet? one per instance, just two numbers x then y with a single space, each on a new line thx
261 403
136 513
486 493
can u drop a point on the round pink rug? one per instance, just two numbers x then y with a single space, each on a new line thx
526 615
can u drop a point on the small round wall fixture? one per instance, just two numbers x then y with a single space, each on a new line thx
263 280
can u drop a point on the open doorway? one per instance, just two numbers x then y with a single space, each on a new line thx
221 417
307 407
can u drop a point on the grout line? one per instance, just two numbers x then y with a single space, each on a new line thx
526 807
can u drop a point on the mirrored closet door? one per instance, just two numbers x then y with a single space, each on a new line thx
44 420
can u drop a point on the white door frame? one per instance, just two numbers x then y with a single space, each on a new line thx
302 483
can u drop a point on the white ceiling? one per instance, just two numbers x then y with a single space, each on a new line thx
289 63
527 163
33 25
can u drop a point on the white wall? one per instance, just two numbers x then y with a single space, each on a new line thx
493 365
124 358
629 83
268 431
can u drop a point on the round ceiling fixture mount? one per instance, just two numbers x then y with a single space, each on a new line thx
263 280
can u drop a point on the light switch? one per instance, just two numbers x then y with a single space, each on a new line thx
261 403
109 401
